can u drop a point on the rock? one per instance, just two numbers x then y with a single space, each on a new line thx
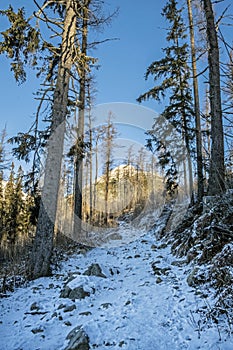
114 271
34 306
106 305
37 330
160 271
122 343
94 270
85 313
65 292
159 280
76 293
69 308
78 339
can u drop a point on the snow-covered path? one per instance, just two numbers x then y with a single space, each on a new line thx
144 303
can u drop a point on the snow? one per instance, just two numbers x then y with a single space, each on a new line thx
132 308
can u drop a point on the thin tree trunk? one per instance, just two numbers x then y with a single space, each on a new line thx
108 160
217 170
185 178
81 111
96 174
90 181
200 189
186 136
43 243
187 145
91 157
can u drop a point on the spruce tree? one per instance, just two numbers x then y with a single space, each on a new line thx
172 73
108 145
2 206
20 207
10 211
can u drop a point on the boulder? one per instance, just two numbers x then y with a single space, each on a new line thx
76 293
94 270
78 339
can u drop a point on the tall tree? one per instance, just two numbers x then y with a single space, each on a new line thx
43 244
2 214
175 70
200 180
78 184
10 211
217 169
110 134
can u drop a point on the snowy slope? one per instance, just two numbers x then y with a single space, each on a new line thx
144 303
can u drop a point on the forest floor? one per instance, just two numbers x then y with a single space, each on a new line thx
133 296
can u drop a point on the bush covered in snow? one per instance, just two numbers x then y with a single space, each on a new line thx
205 239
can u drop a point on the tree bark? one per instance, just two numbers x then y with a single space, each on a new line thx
81 111
200 180
217 170
43 243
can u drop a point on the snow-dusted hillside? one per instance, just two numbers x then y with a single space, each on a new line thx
138 300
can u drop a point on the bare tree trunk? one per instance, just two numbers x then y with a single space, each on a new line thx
81 111
185 177
95 199
90 159
187 145
43 243
217 170
107 170
200 189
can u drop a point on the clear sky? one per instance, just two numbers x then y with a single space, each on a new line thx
123 62
140 29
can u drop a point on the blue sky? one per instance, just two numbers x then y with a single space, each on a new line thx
122 62
141 32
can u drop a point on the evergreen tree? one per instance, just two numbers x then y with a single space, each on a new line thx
2 206
21 232
16 211
175 70
110 135
10 211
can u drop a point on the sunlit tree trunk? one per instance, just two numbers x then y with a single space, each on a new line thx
81 111
43 243
200 189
